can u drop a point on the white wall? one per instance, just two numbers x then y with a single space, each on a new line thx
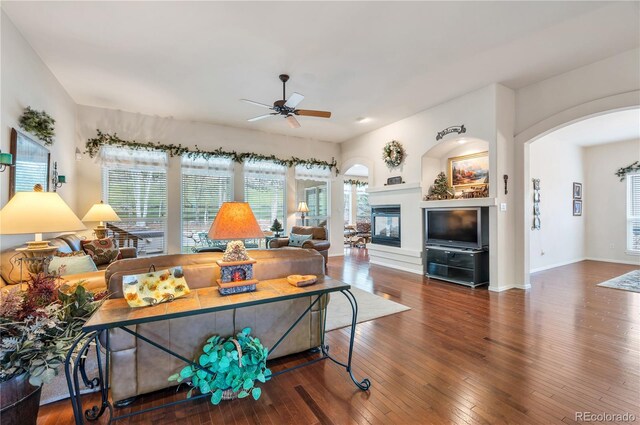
561 238
605 207
26 81
131 126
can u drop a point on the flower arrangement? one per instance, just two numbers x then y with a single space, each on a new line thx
393 154
39 325
237 363
38 123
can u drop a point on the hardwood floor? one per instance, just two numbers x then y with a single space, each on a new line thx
459 356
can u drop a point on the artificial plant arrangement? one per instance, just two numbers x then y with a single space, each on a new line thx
276 227
439 189
38 123
393 154
632 168
235 365
40 324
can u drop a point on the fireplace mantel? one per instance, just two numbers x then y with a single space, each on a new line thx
396 188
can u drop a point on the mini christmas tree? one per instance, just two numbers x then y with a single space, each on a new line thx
440 189
276 227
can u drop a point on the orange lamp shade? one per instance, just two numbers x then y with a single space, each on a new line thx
235 220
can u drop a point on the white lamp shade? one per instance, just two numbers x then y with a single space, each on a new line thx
302 207
101 212
37 212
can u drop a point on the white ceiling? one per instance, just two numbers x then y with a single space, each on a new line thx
608 128
383 60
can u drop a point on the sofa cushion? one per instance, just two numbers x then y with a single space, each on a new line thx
92 281
298 240
102 251
315 232
61 266
74 241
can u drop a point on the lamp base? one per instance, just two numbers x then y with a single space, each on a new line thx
37 255
100 231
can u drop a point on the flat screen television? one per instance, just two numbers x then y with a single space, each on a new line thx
457 227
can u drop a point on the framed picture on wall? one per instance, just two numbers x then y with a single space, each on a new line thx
577 207
469 170
577 190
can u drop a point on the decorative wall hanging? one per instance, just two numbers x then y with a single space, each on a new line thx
506 179
356 183
536 204
633 168
577 190
38 123
393 154
469 170
460 129
103 139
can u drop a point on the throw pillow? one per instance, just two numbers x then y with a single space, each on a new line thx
62 266
298 240
152 288
102 251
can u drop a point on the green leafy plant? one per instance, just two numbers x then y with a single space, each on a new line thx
632 168
356 183
104 139
38 123
39 325
230 368
276 226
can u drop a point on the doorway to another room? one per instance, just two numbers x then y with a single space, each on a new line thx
357 211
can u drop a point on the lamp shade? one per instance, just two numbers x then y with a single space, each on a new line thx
302 207
37 212
235 220
101 212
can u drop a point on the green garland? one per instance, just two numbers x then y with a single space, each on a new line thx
356 183
622 172
38 123
103 139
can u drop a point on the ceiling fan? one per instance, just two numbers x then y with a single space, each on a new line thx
287 107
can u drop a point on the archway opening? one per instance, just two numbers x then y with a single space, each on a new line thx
357 211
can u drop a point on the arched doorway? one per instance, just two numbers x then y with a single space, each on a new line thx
356 208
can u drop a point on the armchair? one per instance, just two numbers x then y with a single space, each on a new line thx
318 241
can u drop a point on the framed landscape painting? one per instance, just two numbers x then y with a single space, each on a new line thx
469 170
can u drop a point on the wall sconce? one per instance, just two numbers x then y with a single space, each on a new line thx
6 160
57 180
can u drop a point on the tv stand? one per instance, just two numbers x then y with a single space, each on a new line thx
468 267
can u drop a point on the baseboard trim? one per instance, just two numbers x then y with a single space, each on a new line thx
553 266
611 260
395 266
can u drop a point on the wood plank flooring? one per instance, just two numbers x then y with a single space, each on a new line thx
459 356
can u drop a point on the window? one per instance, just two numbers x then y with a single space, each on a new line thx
347 203
312 185
206 184
363 213
633 213
264 190
134 183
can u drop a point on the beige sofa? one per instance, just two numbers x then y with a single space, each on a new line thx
138 368
319 240
10 273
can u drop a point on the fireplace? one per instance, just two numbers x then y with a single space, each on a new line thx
385 225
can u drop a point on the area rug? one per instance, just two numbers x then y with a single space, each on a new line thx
370 307
627 282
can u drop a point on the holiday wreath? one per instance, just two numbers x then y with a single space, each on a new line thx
393 154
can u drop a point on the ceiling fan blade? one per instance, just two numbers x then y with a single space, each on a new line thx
257 103
311 113
260 117
293 122
293 100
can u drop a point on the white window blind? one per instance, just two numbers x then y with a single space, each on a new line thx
264 190
633 213
206 184
304 172
135 185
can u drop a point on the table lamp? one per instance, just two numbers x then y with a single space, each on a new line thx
37 212
303 208
235 221
101 212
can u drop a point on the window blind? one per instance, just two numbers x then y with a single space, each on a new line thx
633 212
206 184
135 185
264 190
